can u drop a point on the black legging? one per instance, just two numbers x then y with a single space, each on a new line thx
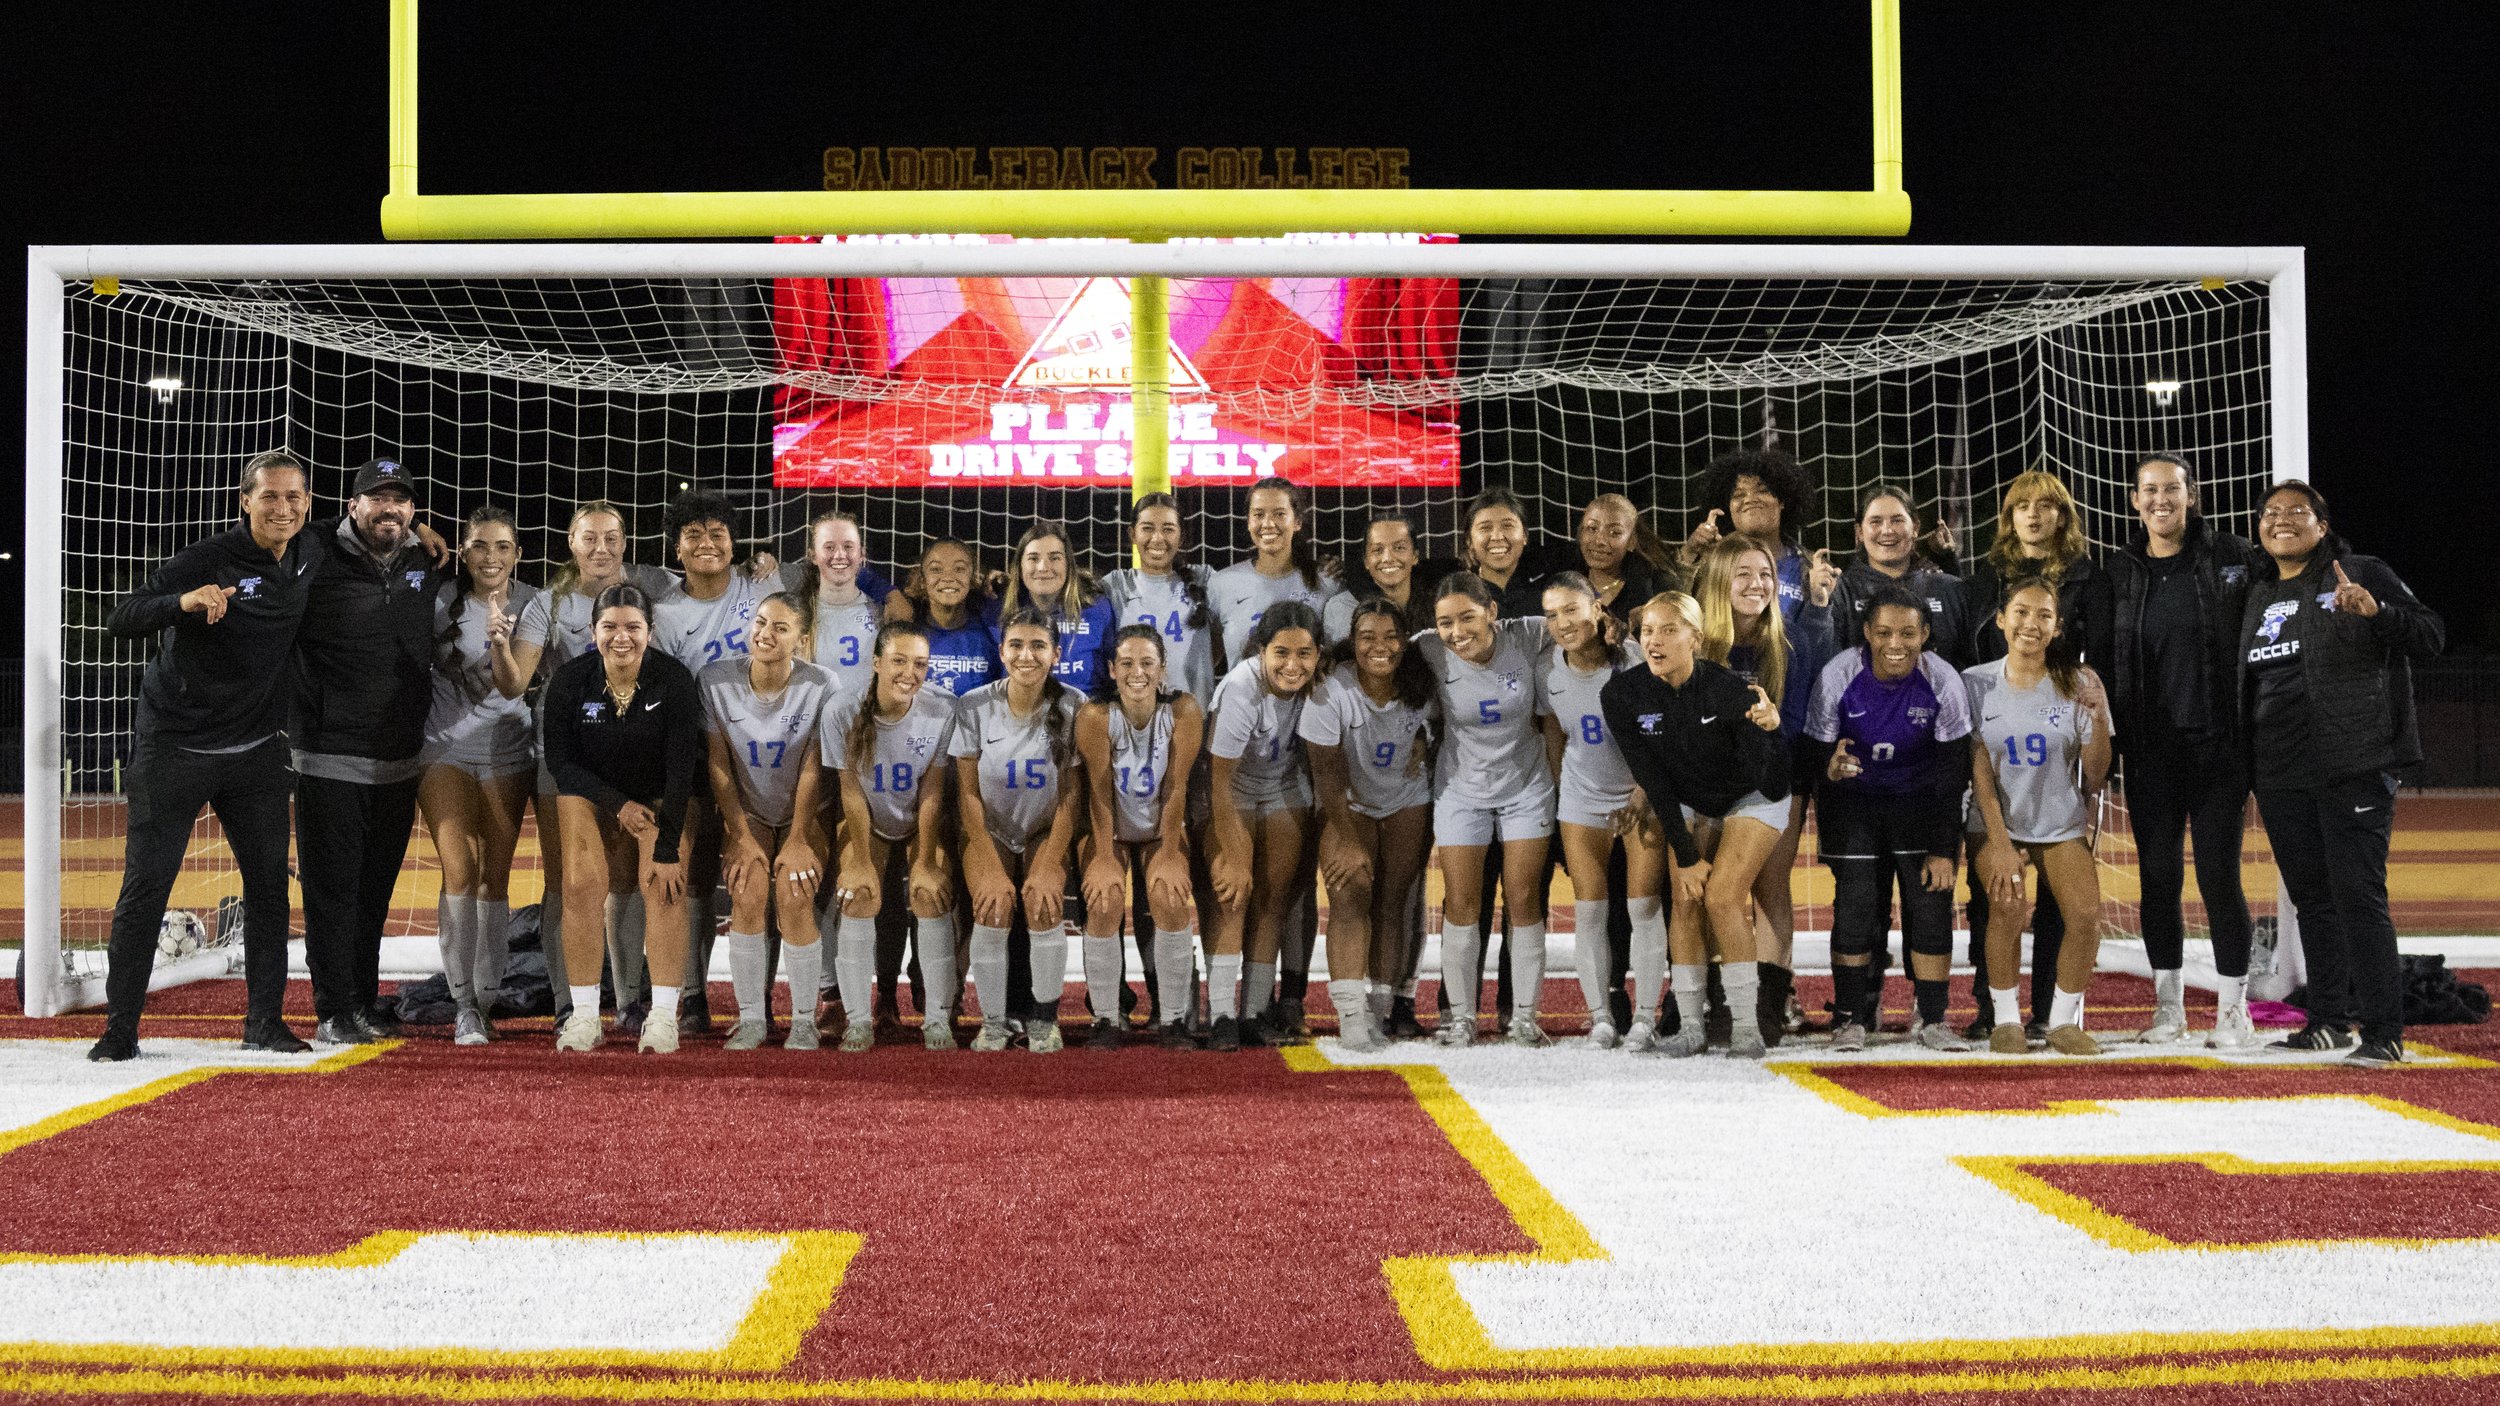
1874 845
2176 788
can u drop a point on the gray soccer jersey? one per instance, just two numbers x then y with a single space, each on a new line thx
768 737
846 640
701 633
1241 595
1019 777
1141 766
2035 738
469 722
1594 779
560 625
1386 755
1262 732
1188 650
901 754
1491 753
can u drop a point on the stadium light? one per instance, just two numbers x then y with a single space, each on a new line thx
2163 392
164 386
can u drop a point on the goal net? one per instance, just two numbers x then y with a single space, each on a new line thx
967 389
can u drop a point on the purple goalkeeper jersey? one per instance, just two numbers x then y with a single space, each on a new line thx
1897 730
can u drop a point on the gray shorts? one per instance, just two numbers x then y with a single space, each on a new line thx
1753 805
1528 816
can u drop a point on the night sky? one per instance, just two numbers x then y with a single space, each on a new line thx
2361 132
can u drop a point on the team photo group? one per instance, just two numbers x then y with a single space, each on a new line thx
936 778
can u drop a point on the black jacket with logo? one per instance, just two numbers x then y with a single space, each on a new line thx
2084 608
1948 633
1692 745
2358 670
211 687
364 664
2222 566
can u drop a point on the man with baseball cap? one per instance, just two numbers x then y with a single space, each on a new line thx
364 663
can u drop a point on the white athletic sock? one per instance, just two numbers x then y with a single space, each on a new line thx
2066 1008
1106 971
1691 983
1462 966
855 965
1527 969
1258 988
2230 991
1223 986
989 973
585 998
1588 953
1407 988
2007 1002
1176 956
664 1002
935 944
626 918
1350 997
493 920
1741 980
451 928
746 976
1050 971
1382 1000
804 968
2169 991
1649 955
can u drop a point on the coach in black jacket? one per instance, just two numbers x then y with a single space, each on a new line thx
2173 670
2325 688
363 683
212 732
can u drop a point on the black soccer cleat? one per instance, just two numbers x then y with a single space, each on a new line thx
2317 1039
2376 1054
1176 1036
379 1023
1254 1032
340 1030
1224 1034
114 1046
1402 1022
272 1036
1106 1033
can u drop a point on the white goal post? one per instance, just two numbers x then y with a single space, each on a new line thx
2274 343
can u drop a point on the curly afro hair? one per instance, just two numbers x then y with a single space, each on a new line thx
701 505
1778 472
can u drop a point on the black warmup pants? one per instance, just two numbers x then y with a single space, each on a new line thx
2175 789
350 837
168 786
2330 846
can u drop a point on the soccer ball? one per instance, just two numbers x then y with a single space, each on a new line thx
180 933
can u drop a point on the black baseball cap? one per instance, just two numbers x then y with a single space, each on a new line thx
376 474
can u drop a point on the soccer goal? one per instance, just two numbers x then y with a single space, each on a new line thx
965 387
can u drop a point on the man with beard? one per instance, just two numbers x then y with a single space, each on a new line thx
363 681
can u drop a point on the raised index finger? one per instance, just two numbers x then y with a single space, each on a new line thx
2340 578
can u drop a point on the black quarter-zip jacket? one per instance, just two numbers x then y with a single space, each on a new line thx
1692 745
214 687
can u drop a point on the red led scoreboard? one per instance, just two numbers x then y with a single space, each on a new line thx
989 382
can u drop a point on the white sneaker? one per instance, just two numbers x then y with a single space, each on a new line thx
1359 1033
468 1027
746 1035
582 1031
2233 1029
1457 1031
659 1036
1602 1035
1939 1036
1641 1038
1848 1037
995 1036
937 1030
805 1034
2169 1025
1685 1043
1043 1037
1527 1034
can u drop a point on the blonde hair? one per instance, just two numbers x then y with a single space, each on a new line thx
1676 603
1714 583
2065 549
569 575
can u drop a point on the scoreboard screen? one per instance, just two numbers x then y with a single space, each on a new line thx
978 382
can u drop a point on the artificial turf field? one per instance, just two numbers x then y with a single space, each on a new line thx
423 1222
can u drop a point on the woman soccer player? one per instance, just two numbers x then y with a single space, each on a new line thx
1495 547
1284 568
1139 747
1492 786
2178 587
1737 586
623 732
948 597
1889 718
762 711
1260 834
480 755
1625 561
1394 570
1369 732
1704 746
2039 534
2040 751
554 629
1169 593
1047 578
1594 804
2325 684
889 742
1014 743
841 615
